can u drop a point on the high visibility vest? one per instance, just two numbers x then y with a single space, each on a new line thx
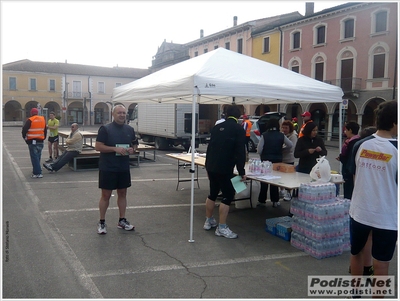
36 131
302 127
248 128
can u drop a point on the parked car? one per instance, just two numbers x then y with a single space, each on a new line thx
259 127
262 121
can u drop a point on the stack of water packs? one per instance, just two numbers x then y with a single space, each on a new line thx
320 222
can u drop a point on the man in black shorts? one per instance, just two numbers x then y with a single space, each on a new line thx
225 150
115 142
52 125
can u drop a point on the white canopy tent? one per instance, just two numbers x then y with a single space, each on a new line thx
224 77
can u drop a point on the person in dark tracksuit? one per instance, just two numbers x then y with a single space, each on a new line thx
225 150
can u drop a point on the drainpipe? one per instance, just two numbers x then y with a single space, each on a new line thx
395 73
65 100
280 46
90 103
280 55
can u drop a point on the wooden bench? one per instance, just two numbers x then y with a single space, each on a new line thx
90 157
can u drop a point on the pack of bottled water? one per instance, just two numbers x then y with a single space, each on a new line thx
258 167
318 193
320 222
317 248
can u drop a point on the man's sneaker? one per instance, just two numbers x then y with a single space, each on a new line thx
276 204
260 204
49 160
37 176
368 271
48 166
210 223
101 228
287 196
124 224
226 232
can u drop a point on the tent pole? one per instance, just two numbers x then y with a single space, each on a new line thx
192 168
340 131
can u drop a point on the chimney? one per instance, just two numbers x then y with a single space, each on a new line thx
201 33
309 8
234 20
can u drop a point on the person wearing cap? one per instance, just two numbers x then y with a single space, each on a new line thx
34 133
295 124
306 119
246 124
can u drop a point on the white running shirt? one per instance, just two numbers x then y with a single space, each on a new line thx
374 200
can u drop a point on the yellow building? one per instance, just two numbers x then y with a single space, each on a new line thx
76 93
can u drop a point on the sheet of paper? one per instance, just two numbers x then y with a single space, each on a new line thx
237 184
124 146
268 177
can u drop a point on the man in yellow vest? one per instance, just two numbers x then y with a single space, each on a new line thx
34 133
246 124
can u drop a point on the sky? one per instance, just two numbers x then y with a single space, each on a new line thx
121 33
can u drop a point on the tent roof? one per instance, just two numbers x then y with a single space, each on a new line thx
221 74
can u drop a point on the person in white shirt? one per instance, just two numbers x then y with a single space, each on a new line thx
373 207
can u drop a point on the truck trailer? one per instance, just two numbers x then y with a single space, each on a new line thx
168 125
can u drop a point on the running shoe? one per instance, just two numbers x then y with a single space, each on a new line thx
124 224
226 232
101 228
210 223
48 166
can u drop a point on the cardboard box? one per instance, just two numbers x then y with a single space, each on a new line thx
283 167
204 126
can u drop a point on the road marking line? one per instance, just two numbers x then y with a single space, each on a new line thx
116 208
172 267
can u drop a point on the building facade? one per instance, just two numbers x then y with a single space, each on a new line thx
353 46
76 93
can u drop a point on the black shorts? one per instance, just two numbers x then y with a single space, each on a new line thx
111 180
383 241
53 139
221 182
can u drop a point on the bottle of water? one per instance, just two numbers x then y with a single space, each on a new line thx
268 167
263 167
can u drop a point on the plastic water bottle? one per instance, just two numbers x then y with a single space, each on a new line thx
268 167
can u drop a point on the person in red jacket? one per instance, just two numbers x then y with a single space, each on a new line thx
306 119
34 133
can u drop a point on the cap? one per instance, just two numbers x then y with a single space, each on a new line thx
245 117
34 111
294 119
308 114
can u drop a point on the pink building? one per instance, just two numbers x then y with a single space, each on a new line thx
352 46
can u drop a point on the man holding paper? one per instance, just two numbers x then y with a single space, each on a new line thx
115 142
225 150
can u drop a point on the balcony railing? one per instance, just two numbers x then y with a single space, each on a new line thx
351 84
77 95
